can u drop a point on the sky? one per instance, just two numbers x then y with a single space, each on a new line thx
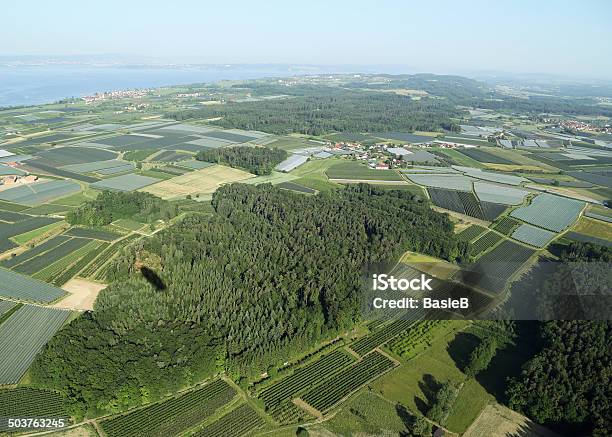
570 38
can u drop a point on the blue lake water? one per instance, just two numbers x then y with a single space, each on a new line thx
30 85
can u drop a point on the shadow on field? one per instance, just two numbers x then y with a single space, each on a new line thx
461 347
429 386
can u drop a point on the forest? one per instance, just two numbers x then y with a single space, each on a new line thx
109 206
567 383
319 110
256 160
267 275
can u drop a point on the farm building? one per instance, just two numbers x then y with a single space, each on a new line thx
399 152
294 161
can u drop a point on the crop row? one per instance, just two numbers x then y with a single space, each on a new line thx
378 338
485 242
38 263
506 225
172 416
346 382
287 412
35 251
23 335
105 255
550 212
471 232
408 344
71 272
30 402
95 234
305 377
495 267
18 286
51 272
236 423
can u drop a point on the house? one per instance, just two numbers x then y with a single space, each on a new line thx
381 167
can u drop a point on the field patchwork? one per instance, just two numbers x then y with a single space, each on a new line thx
204 181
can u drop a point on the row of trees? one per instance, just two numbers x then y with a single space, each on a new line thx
256 160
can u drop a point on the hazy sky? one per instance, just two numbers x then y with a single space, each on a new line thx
543 36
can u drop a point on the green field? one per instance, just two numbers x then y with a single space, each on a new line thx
411 383
459 158
24 238
128 224
312 175
351 170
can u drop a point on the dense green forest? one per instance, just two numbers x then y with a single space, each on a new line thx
256 160
316 110
111 205
568 381
267 275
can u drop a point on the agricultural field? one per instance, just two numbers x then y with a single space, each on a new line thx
69 155
94 268
465 202
92 252
594 228
38 164
365 415
237 422
575 236
17 286
481 155
492 270
550 212
417 339
41 261
411 383
379 337
55 272
292 186
204 181
23 335
506 225
102 167
485 242
497 420
303 379
195 165
499 194
354 171
31 402
127 224
36 250
171 416
471 232
129 182
5 307
39 192
490 176
347 381
94 234
533 236
443 181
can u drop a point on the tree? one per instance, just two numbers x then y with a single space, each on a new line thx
443 402
481 356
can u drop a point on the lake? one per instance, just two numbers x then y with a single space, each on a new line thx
31 85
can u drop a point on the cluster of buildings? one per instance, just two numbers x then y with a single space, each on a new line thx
113 95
